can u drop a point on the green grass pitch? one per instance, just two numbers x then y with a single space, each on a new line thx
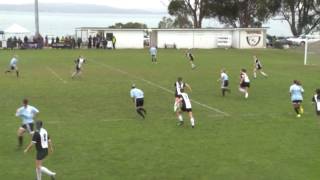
97 134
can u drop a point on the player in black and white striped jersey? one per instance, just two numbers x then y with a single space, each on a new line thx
244 83
316 101
79 62
179 84
42 142
190 56
185 106
258 67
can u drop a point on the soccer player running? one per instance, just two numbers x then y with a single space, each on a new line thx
296 91
185 103
190 56
179 84
316 101
42 141
224 79
153 52
244 83
27 114
258 67
79 62
13 65
137 96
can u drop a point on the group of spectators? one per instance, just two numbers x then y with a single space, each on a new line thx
61 42
34 42
101 42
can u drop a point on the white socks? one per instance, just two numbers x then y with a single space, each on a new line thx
192 122
180 118
246 95
175 106
38 173
255 75
264 74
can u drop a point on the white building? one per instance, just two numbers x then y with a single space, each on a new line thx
125 38
210 38
242 38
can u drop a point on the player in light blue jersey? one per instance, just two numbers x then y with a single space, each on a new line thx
296 91
13 65
137 96
27 114
153 52
224 79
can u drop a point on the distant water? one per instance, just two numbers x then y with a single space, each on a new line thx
59 24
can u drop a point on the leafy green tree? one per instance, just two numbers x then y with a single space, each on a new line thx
244 13
303 16
129 25
196 10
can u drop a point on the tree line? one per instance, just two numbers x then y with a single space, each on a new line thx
303 16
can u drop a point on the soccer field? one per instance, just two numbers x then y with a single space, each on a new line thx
97 134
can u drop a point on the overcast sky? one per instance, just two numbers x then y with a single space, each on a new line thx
126 4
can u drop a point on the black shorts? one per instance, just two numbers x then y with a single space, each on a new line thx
296 101
177 95
184 109
191 58
78 68
28 127
225 84
245 84
259 68
139 102
42 154
12 68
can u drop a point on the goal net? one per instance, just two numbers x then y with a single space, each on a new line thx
312 53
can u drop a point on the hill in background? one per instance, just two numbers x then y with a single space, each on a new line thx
72 8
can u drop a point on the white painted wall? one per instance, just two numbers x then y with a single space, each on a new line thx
207 39
128 39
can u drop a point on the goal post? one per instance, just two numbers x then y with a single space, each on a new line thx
306 51
311 52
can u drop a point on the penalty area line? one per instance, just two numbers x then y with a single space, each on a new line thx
56 75
161 87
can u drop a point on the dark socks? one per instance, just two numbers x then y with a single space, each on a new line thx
20 139
17 73
140 113
223 92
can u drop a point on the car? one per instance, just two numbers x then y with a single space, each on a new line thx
301 40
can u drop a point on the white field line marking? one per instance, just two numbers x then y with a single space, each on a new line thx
161 87
56 75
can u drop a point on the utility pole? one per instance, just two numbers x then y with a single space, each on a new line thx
36 11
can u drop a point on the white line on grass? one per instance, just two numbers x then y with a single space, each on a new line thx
56 75
159 86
